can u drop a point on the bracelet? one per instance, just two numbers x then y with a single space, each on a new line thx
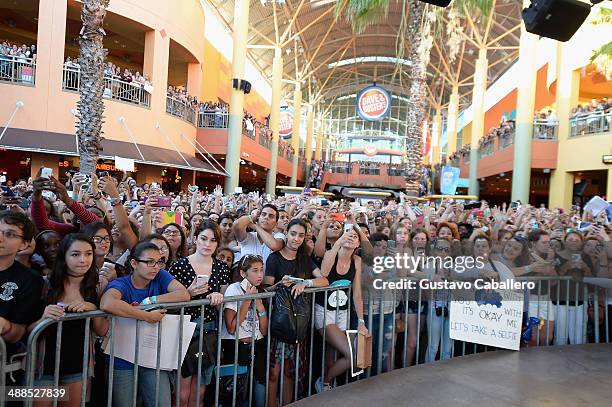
361 321
527 269
262 314
154 299
309 283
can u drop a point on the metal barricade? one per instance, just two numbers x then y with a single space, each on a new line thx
407 326
19 70
545 130
180 109
591 123
213 120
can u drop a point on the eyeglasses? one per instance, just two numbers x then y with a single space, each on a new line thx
443 249
9 234
171 233
153 263
164 249
100 239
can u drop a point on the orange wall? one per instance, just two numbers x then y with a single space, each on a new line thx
218 81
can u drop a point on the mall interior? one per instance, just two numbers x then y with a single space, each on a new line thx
522 117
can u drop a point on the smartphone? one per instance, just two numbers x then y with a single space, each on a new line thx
85 187
245 284
576 257
514 205
201 280
46 172
164 201
296 280
390 244
103 174
348 227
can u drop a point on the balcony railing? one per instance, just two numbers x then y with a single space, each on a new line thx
180 109
367 170
506 140
18 70
396 172
545 130
114 88
340 168
264 140
593 123
213 120
486 149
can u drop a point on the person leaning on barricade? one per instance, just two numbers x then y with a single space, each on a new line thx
147 284
292 267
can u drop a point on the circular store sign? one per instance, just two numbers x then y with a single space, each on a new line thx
285 123
373 103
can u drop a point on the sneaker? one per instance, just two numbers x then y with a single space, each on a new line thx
321 387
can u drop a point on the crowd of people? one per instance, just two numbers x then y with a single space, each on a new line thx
591 118
100 243
10 50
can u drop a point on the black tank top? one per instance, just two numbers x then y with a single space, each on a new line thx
337 298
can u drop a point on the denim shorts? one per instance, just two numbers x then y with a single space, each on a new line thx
48 379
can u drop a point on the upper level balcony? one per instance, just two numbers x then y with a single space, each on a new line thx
590 123
364 174
17 70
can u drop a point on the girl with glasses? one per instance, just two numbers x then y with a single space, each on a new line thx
206 278
147 284
176 237
164 248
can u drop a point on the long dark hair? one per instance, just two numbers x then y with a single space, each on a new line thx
302 259
59 274
181 249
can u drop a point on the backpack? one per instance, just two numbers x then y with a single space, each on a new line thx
290 317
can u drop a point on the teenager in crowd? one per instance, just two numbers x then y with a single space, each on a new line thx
261 240
206 278
251 322
73 287
175 235
291 261
146 284
341 266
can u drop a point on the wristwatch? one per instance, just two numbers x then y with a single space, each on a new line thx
115 201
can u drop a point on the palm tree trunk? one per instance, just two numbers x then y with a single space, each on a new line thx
416 99
91 105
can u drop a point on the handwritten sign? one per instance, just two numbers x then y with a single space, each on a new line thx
493 319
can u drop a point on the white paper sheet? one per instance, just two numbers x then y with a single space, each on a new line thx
125 337
124 164
596 205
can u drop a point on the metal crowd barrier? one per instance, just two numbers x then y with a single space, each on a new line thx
392 350
213 120
592 123
545 130
114 88
17 70
180 109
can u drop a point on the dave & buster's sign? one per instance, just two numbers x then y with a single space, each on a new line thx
373 103
285 127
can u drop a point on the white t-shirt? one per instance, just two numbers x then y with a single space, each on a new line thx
252 245
250 323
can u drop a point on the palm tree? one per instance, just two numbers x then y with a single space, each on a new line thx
90 107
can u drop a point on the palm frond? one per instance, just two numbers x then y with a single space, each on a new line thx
362 13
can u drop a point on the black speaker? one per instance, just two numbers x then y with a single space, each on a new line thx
245 86
236 83
556 19
439 3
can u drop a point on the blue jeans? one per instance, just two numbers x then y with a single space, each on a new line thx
387 342
440 330
123 383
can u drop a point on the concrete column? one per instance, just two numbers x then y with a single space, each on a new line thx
319 145
478 96
451 127
568 84
50 49
277 76
295 134
194 80
436 131
525 104
309 134
156 57
234 128
609 185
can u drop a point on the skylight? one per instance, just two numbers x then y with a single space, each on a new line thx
351 61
